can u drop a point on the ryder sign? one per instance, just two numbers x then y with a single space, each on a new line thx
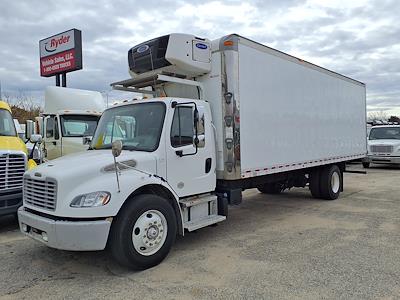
61 53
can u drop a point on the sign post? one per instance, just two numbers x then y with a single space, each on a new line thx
60 54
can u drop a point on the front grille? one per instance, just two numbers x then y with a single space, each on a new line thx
381 149
12 168
40 193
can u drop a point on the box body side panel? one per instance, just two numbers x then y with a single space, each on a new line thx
294 115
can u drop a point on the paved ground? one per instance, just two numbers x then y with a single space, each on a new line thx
288 246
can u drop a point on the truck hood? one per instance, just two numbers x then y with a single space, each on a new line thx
384 142
12 143
88 164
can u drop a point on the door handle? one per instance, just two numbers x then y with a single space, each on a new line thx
208 165
54 143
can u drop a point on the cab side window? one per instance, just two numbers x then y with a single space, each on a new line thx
182 130
50 127
56 131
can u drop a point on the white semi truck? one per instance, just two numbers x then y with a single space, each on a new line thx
69 114
225 116
383 145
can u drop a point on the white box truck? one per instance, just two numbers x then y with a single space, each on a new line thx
68 116
225 116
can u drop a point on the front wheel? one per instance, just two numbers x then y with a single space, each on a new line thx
143 232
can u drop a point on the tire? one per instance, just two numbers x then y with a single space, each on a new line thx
270 188
314 186
330 182
143 232
366 165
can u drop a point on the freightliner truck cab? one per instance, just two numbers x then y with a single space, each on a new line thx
137 200
68 116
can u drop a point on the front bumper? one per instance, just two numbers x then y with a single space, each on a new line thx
381 159
65 235
10 200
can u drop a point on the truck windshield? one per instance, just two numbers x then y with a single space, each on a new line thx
78 125
138 126
7 127
385 133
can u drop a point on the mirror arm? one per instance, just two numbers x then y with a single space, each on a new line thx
180 153
30 156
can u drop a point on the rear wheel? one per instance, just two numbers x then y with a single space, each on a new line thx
366 165
270 188
330 182
143 232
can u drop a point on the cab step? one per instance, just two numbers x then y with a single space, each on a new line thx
200 211
207 221
197 200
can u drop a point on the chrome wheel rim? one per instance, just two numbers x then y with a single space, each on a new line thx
335 182
149 233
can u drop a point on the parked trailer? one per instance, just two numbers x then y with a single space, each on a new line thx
225 116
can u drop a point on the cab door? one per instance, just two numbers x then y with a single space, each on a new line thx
190 171
52 139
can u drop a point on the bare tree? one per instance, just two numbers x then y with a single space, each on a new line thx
22 106
377 115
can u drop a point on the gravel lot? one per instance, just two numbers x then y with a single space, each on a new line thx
288 246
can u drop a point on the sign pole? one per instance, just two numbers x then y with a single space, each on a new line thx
64 79
57 79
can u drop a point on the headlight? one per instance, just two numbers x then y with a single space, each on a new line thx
91 199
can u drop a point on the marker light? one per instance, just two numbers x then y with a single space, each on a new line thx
228 43
45 237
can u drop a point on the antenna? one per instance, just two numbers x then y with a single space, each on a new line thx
116 149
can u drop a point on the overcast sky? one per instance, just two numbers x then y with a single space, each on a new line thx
358 38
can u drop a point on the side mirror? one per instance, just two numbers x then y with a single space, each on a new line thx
36 138
39 122
116 148
199 141
87 140
29 129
